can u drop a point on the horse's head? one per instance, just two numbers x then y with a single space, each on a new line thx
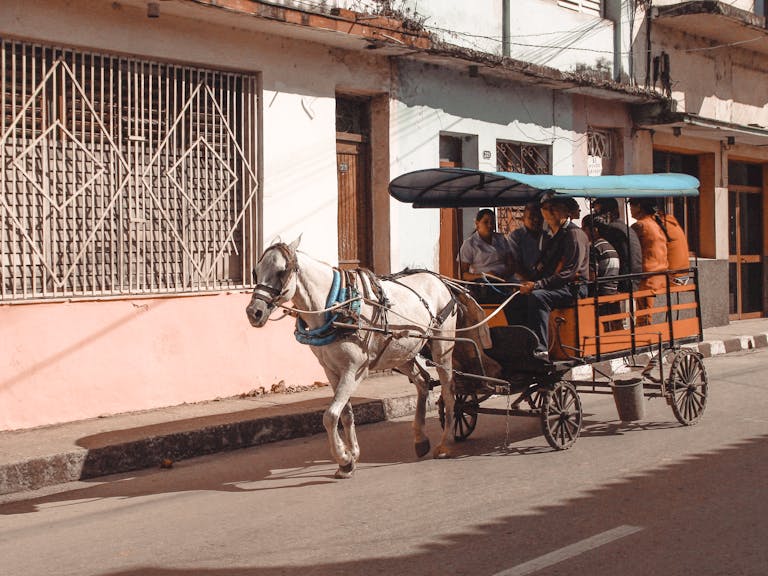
275 275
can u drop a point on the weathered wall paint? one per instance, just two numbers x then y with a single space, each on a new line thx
70 361
66 361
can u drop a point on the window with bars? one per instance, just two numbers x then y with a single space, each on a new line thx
524 159
601 150
123 176
594 7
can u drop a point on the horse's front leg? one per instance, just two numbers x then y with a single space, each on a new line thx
344 454
350 436
442 354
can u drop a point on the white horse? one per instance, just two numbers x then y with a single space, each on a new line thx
408 312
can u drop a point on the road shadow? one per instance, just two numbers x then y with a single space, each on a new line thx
703 515
303 453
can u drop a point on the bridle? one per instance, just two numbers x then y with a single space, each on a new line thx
270 295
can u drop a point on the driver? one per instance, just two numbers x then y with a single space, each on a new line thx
564 259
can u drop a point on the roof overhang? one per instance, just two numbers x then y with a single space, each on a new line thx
693 125
719 22
487 65
388 37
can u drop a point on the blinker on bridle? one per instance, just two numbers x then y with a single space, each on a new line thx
275 293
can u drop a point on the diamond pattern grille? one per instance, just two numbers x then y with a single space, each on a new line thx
122 176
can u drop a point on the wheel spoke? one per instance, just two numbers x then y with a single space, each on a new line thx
687 366
570 401
573 427
694 375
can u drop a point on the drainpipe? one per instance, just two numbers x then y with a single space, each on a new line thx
506 49
648 10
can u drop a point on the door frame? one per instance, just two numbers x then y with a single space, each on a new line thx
738 258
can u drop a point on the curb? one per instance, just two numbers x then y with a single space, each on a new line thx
707 349
152 449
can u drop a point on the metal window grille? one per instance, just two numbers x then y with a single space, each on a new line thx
600 143
123 176
524 159
585 6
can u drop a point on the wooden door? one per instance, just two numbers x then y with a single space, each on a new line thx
354 216
745 260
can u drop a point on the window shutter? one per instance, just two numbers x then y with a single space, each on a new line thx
593 7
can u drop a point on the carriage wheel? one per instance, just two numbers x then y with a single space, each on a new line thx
464 421
688 387
561 415
536 399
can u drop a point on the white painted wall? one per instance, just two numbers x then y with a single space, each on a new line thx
428 101
541 32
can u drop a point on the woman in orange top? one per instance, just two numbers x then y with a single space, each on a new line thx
653 243
677 244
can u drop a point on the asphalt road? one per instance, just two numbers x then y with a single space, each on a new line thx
639 499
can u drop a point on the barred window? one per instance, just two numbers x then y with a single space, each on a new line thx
123 176
585 6
524 159
602 151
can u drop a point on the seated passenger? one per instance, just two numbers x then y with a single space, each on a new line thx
654 248
603 258
525 243
564 259
677 245
603 263
624 240
485 255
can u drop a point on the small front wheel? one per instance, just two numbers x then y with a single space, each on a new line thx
465 415
688 387
561 415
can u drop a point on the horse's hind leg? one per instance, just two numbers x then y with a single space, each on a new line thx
417 378
442 352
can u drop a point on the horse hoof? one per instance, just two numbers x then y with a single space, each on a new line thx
441 453
422 448
345 471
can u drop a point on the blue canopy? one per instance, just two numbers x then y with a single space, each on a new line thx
459 187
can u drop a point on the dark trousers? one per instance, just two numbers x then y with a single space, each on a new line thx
532 310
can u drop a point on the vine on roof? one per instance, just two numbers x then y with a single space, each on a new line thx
396 9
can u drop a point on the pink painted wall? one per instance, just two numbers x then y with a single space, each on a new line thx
61 362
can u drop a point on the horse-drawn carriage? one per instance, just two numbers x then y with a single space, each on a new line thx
355 321
594 329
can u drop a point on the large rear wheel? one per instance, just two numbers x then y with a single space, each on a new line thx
465 415
688 387
561 415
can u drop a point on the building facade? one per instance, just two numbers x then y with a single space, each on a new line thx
151 150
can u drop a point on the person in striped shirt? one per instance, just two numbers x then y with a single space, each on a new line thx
603 258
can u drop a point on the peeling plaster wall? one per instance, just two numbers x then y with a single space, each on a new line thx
727 85
67 361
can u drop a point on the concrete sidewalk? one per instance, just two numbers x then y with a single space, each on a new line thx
31 459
